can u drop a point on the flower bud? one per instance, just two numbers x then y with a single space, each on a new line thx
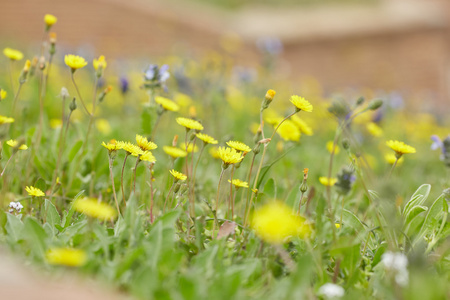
73 105
375 104
268 99
360 101
345 144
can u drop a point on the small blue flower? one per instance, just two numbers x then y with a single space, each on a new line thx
124 84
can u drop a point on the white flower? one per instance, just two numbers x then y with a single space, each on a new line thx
395 261
15 206
331 291
64 93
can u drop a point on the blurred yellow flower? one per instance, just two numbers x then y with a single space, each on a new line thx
239 146
229 155
66 257
238 183
167 104
103 126
3 94
275 223
288 131
390 158
213 151
302 125
75 62
144 143
301 103
189 123
13 54
5 120
130 148
400 148
95 209
330 147
191 148
206 138
174 151
99 63
374 129
178 175
112 146
50 20
35 192
327 181
14 144
55 123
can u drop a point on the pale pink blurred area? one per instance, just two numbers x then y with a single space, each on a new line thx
400 45
18 282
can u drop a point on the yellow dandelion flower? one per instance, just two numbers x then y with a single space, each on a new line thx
270 94
103 126
191 148
390 158
301 103
55 123
206 138
330 147
229 155
147 156
14 144
75 62
288 131
23 147
50 20
374 129
167 104
177 175
13 54
144 143
189 123
327 181
6 120
35 192
213 152
239 146
400 148
238 183
95 209
3 94
337 225
130 148
275 223
112 146
66 257
174 151
99 63
302 125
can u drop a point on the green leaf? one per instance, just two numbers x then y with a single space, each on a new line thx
73 152
53 218
266 169
146 121
352 220
418 198
41 184
35 235
413 212
14 227
270 189
431 221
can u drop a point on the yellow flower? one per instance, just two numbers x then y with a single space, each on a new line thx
189 123
337 225
95 209
288 131
14 144
304 128
270 94
144 143
75 62
66 257
238 183
12 54
206 138
400 148
167 104
35 192
103 126
330 147
191 148
374 129
239 146
147 156
301 103
55 123
174 151
213 152
130 148
327 181
50 19
229 155
99 63
5 120
3 94
112 146
390 158
274 223
178 175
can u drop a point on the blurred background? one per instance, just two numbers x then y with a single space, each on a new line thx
390 45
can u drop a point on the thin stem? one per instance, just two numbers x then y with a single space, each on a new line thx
151 192
112 183
194 172
216 222
16 96
248 180
168 195
134 174
121 179
79 95
300 203
231 193
186 145
158 118
92 115
1 174
342 210
393 166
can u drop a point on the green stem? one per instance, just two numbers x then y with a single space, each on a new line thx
216 222
121 179
112 183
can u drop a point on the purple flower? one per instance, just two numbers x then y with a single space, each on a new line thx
270 45
124 84
437 143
